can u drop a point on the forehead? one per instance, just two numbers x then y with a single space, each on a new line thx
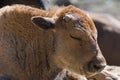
79 15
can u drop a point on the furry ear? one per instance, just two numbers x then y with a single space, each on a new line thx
43 22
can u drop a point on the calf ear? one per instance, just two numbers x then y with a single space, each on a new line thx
43 22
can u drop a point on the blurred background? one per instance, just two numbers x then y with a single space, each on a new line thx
100 6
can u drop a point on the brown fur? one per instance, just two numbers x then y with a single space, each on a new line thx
29 53
21 41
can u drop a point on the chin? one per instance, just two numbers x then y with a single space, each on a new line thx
90 74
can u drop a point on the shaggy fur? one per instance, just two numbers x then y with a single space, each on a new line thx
26 52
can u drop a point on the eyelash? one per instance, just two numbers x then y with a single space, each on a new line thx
76 38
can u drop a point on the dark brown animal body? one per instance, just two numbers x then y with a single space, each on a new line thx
108 37
63 39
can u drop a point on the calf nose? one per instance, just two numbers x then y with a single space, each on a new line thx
96 66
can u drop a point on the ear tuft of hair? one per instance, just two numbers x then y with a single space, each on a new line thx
43 22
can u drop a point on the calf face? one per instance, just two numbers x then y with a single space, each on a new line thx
75 42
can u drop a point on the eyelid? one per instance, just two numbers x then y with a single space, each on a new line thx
76 38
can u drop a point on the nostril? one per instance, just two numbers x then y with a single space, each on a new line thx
95 67
98 67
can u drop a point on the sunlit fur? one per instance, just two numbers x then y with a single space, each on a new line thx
30 53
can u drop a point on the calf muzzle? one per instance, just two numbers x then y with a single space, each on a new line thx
96 66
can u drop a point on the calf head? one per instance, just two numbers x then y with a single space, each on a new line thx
75 39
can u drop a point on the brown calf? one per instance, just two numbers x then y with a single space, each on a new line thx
61 39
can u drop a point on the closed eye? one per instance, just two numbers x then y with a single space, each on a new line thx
76 38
